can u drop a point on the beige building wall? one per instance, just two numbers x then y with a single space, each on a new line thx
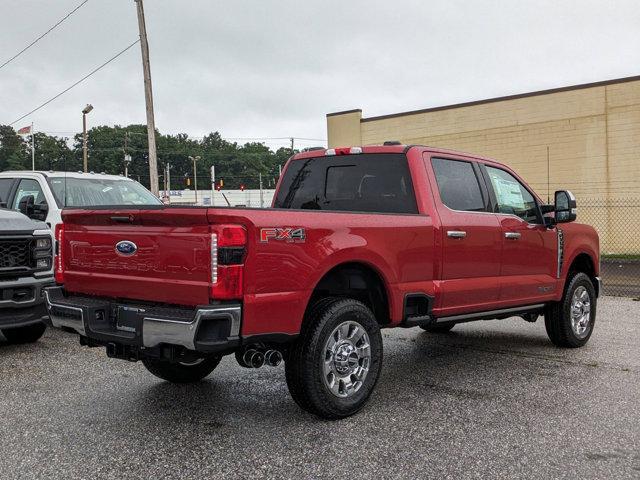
592 134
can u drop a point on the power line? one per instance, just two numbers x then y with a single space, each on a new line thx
43 35
253 138
227 139
77 83
274 138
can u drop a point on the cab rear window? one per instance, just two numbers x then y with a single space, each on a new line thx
376 183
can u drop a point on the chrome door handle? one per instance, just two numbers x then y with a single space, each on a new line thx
456 234
512 235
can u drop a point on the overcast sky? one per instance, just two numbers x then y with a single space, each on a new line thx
271 68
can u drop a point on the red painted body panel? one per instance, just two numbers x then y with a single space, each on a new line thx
470 266
172 264
578 239
411 253
529 263
280 276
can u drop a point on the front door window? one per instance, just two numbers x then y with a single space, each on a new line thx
511 196
27 187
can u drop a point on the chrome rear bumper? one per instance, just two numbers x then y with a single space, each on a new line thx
156 331
206 328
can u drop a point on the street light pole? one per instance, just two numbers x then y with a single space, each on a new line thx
85 161
148 95
195 176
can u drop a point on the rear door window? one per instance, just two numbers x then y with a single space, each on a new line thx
358 183
458 185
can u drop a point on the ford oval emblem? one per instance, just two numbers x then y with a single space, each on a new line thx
126 248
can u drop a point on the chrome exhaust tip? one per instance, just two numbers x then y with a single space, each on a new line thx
253 358
273 358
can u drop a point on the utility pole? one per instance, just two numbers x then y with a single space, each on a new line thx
166 179
213 185
292 143
548 174
195 176
33 149
148 95
127 161
127 157
261 193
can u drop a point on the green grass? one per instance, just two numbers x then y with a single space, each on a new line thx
620 256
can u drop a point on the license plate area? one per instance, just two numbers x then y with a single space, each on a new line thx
128 319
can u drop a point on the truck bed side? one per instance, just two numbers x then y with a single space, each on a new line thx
174 259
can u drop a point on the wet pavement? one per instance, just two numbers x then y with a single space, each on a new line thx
491 399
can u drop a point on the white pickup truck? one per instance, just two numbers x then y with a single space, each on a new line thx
43 195
26 269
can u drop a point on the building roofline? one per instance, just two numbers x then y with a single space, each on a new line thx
497 99
344 112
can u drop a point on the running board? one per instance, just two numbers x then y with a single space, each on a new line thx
491 314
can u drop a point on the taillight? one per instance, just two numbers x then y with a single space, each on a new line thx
228 251
58 261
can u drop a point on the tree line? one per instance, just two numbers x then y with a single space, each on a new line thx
236 164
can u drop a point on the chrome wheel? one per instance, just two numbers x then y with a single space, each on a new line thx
580 311
347 358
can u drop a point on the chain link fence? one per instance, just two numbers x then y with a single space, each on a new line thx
618 224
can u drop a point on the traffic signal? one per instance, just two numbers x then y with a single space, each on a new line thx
242 187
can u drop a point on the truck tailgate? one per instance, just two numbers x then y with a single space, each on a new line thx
171 264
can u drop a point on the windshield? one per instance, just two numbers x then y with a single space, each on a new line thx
90 192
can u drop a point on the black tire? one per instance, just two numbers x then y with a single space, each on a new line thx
28 334
557 316
305 363
181 372
438 328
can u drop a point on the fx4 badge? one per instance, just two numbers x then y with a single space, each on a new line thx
286 234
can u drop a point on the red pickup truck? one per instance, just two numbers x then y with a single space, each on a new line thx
357 239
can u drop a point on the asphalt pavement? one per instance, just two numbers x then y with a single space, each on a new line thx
621 276
491 399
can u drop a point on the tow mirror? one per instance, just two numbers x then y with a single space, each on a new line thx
565 206
40 211
26 204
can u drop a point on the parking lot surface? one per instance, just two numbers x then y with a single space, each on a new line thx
490 399
620 277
